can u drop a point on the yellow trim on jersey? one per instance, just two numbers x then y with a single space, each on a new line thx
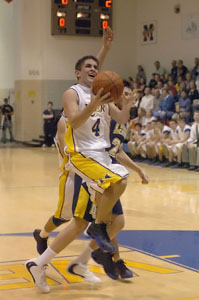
69 138
93 170
82 203
62 184
65 160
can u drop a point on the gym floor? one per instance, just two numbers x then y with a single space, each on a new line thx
160 241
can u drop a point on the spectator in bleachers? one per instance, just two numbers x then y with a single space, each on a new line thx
165 77
135 85
182 107
174 70
141 118
152 82
188 79
140 73
195 70
197 82
158 68
157 78
157 100
182 70
160 86
167 109
181 88
190 149
142 84
179 82
171 88
193 92
149 116
147 101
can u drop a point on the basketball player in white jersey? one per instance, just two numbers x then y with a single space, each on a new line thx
100 100
79 267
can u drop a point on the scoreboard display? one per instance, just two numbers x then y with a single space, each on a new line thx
80 17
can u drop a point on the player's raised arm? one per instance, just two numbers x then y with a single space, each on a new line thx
107 42
122 116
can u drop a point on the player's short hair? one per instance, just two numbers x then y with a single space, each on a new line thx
81 61
138 124
182 119
127 84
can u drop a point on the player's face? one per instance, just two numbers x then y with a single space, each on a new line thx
196 117
172 124
88 72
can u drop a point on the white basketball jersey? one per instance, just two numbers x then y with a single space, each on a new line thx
182 132
94 133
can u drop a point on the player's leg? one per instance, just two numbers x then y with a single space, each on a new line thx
100 174
63 212
10 131
113 265
41 235
36 267
64 238
98 228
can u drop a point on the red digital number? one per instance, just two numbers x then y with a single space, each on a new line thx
62 22
108 3
104 24
64 2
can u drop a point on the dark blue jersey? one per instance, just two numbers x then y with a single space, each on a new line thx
117 137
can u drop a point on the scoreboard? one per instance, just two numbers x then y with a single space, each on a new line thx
80 17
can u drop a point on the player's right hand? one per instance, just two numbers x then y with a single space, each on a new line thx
100 98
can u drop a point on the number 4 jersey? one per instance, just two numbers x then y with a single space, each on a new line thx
94 133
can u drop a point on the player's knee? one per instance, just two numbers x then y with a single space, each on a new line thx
122 184
58 221
119 222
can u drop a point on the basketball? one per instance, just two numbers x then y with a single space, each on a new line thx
111 82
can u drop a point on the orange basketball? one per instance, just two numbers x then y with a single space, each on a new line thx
111 82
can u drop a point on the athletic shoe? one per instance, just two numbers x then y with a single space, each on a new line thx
41 242
177 166
169 164
123 270
38 275
81 270
105 259
99 233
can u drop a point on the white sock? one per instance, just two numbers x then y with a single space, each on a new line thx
43 234
46 257
84 257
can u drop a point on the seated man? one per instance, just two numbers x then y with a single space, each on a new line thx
190 148
166 110
182 133
183 107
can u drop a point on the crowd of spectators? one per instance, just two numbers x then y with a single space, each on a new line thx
164 121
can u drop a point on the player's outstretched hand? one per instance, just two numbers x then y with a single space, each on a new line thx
130 98
107 37
144 177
